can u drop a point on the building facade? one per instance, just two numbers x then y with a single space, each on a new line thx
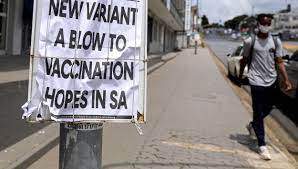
286 23
14 16
165 21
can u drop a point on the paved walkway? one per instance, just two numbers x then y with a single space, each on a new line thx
194 121
13 68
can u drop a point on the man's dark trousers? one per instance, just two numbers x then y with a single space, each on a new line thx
262 102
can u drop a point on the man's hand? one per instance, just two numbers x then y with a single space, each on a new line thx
287 85
286 82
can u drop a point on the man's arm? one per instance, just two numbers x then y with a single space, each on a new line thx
243 63
280 64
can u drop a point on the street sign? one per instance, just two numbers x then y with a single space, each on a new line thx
88 61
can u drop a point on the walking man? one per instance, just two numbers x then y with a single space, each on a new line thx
263 56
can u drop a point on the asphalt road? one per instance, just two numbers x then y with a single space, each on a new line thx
222 47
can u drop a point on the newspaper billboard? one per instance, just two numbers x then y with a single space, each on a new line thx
88 61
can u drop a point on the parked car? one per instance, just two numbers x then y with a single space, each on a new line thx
233 36
234 63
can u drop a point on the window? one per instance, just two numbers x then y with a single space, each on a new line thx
157 31
150 27
3 20
161 33
284 18
154 31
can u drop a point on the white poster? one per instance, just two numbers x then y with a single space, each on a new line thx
88 61
187 15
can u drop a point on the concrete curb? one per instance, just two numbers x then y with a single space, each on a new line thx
155 67
14 76
288 125
169 56
164 60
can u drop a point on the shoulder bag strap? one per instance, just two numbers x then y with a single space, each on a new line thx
253 40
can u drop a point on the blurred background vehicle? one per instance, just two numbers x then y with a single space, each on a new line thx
234 64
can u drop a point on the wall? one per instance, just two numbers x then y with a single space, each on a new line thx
161 38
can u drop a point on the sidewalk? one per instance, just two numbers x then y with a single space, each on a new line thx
194 121
13 68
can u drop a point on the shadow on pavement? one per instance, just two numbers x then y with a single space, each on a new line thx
245 140
12 128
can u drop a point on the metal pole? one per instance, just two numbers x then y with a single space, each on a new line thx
198 6
80 146
196 47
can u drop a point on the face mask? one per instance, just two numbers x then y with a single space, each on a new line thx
264 29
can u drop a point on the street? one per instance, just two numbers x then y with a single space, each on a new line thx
221 47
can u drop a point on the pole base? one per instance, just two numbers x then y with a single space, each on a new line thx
80 146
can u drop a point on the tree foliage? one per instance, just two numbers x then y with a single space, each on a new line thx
234 23
213 25
205 20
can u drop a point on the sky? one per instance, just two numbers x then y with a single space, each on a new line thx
222 10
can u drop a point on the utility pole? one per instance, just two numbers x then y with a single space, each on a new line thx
80 146
198 6
252 7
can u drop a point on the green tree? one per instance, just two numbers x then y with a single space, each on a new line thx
205 20
234 23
